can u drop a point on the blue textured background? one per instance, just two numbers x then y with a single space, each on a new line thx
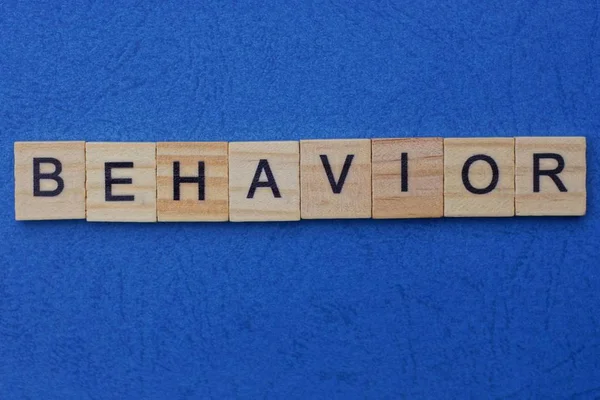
316 309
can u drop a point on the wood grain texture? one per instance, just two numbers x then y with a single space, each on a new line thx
215 206
318 198
424 195
550 200
143 186
284 162
68 204
458 201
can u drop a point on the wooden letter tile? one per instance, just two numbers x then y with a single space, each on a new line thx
121 182
336 178
264 181
408 178
49 180
479 177
192 181
550 176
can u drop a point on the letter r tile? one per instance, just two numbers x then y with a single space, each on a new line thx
550 175
264 181
479 177
49 180
335 178
121 182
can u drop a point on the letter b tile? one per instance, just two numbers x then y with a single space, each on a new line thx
336 178
49 180
121 182
479 177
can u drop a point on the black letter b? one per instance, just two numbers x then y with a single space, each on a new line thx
55 176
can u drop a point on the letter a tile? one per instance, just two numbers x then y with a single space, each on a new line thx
121 182
192 181
49 180
479 176
550 176
336 178
264 181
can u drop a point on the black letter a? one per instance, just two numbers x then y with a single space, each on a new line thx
270 183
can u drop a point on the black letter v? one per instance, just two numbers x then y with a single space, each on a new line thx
337 186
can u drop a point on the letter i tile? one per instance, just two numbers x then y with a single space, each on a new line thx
408 178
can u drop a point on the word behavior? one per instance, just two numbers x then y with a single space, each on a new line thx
306 179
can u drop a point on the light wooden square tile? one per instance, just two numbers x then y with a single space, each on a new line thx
559 186
408 178
479 177
201 193
49 180
264 181
335 178
121 182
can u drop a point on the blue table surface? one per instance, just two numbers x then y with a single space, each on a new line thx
444 308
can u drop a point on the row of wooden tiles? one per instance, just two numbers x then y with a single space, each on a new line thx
309 179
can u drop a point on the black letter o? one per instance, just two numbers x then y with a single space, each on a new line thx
495 174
